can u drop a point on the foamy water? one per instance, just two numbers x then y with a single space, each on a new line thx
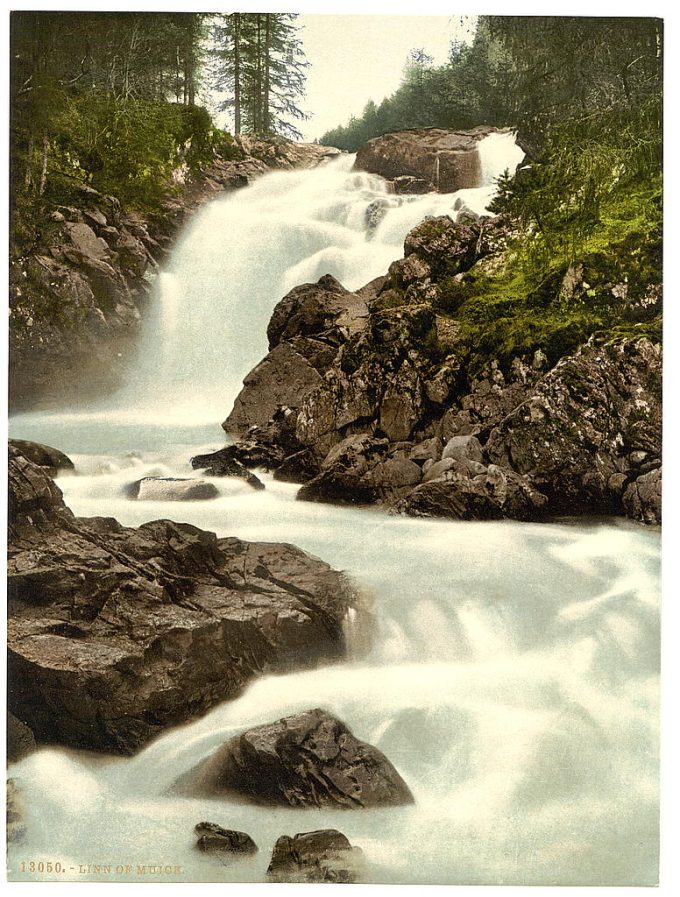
508 670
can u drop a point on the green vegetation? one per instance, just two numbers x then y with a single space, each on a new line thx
585 212
110 100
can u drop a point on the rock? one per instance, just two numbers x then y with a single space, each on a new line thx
171 489
16 814
213 838
642 498
43 455
395 475
20 739
344 471
581 419
298 468
447 159
462 448
116 633
307 760
33 498
321 856
223 463
313 309
87 242
284 377
466 490
408 184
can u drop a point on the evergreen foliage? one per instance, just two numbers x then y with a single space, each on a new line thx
260 64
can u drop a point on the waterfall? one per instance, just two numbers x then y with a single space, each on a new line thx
508 670
244 251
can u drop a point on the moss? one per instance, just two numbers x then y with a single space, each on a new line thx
520 305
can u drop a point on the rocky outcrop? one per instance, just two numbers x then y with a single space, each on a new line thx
78 292
115 633
433 158
395 416
20 739
321 856
50 459
307 760
212 838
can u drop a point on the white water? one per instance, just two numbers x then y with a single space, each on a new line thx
512 671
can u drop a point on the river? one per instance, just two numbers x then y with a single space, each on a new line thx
508 670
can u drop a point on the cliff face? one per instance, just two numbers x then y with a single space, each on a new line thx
391 410
78 289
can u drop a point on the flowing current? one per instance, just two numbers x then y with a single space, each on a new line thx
509 671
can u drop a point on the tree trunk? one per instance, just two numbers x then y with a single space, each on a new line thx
43 170
266 87
28 176
237 73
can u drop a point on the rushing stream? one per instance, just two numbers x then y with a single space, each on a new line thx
510 671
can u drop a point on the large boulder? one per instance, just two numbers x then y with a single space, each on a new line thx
584 422
322 856
171 489
324 308
284 377
449 160
642 498
43 455
345 472
115 633
307 760
212 838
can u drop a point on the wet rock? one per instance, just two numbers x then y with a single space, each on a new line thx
409 184
466 490
223 463
344 472
20 739
300 467
171 489
116 633
581 419
307 760
43 455
642 498
448 159
284 377
324 308
212 838
395 475
321 856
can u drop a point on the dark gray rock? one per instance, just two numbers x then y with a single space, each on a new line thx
115 633
321 856
16 813
224 463
43 455
307 760
284 377
642 498
20 739
345 470
212 838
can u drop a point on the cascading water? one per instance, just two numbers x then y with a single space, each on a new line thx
511 670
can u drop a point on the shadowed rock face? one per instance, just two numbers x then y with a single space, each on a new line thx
321 856
446 160
311 759
115 633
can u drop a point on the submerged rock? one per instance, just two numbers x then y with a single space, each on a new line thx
322 856
310 759
115 633
212 838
